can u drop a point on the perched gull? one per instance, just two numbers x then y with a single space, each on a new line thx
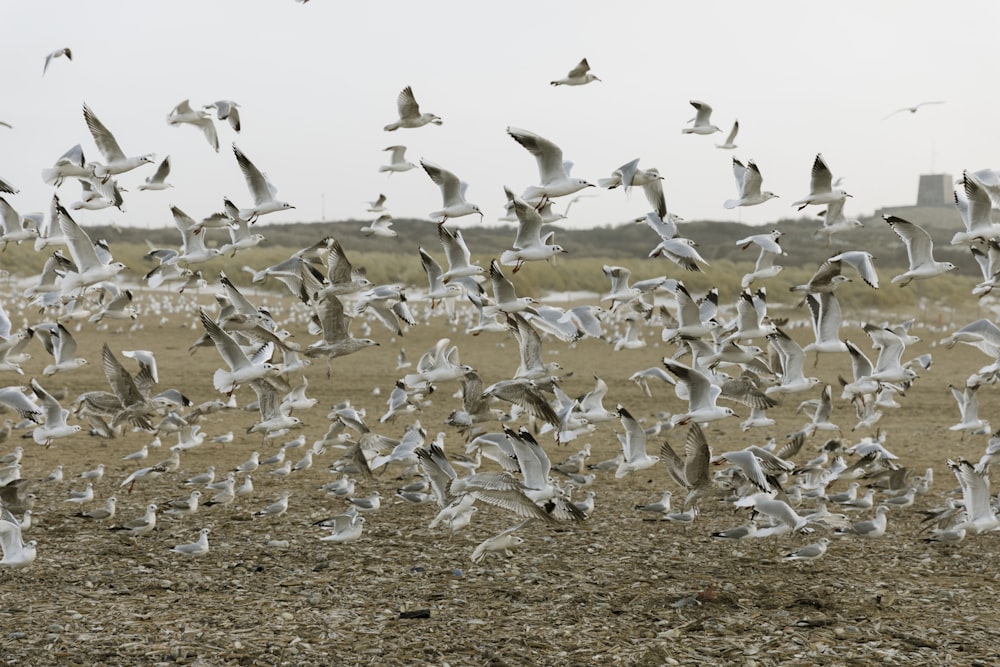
552 171
277 508
397 161
141 526
577 76
198 548
409 113
58 53
809 552
919 251
821 190
263 191
748 183
452 194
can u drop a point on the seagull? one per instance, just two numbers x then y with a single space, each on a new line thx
728 143
976 208
397 161
460 264
276 508
115 161
198 548
240 239
90 270
661 506
141 526
16 553
627 175
193 248
100 513
242 369
809 552
158 181
835 222
968 407
821 189
16 227
913 109
409 113
919 251
702 124
748 183
578 76
633 446
70 164
870 528
439 364
183 113
55 425
701 394
263 191
344 528
452 194
501 543
58 53
826 318
979 514
337 340
61 344
552 171
792 358
828 276
529 246
382 226
184 506
228 111
770 247
505 297
81 497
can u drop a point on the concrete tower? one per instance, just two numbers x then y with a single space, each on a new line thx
935 190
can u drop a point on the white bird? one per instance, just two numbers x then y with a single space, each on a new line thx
141 526
809 552
553 173
90 269
61 344
100 513
979 514
505 298
976 208
529 246
919 252
184 506
452 194
369 503
968 407
729 143
577 76
501 543
58 53
278 507
793 378
770 248
701 394
748 184
183 113
824 309
381 226
81 497
228 111
627 175
344 528
115 161
869 528
702 120
835 221
261 189
409 113
397 161
16 553
913 109
55 425
198 548
821 190
633 446
242 369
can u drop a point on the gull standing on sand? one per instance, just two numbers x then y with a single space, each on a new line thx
578 76
809 552
821 190
409 113
919 252
261 189
198 548
452 194
552 171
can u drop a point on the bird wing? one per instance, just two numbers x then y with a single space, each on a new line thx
260 188
821 179
102 137
547 154
451 187
407 104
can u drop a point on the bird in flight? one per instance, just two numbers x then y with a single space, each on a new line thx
914 108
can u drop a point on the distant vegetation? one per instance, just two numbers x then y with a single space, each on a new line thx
391 260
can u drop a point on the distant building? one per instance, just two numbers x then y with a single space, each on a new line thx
935 205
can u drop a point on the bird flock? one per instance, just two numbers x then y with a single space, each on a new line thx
725 358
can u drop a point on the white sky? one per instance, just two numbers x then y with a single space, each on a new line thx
317 82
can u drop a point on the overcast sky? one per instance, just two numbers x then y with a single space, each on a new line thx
317 82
